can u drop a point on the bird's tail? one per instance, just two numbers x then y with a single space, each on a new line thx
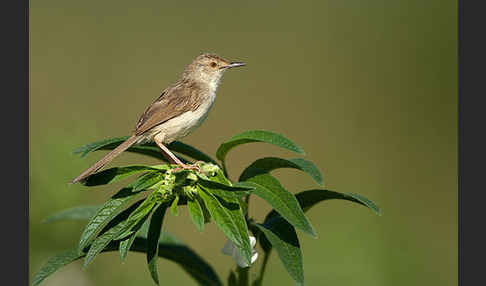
108 157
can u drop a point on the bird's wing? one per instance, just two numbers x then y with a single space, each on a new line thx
172 102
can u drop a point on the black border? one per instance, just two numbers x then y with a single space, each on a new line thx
15 143
471 111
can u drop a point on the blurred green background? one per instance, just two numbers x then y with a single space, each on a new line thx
367 88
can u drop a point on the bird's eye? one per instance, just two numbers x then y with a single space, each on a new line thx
213 64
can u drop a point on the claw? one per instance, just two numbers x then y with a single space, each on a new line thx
189 167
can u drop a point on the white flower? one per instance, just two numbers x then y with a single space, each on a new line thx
231 250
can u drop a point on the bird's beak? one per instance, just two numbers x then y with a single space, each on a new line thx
234 64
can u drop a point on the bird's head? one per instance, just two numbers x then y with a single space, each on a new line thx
209 68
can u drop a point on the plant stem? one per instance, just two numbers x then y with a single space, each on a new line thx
243 276
247 201
264 267
242 272
225 171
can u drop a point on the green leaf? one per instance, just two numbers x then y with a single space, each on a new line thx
284 202
283 237
127 243
146 181
109 210
106 237
190 151
207 215
149 149
153 240
308 199
173 206
84 150
222 190
77 213
220 178
112 143
165 237
311 197
268 164
185 257
278 226
113 206
56 262
229 218
121 216
112 175
125 246
139 214
196 213
251 136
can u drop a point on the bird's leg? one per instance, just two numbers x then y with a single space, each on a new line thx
194 166
173 158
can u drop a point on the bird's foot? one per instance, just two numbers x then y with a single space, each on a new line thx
194 166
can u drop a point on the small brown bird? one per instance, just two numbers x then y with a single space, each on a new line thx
178 111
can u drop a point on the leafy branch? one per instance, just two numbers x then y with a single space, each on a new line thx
132 219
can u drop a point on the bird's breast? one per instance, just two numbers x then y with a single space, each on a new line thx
187 122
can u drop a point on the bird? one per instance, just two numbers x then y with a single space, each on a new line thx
179 110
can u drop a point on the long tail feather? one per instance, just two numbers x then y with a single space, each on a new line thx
108 157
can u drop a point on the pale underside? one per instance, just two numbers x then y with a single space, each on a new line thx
178 111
